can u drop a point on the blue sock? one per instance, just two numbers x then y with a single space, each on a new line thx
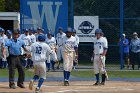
52 64
40 82
35 77
48 65
97 77
68 75
65 75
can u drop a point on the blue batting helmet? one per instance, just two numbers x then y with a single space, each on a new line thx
98 31
41 37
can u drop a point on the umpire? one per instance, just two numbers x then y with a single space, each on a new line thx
15 45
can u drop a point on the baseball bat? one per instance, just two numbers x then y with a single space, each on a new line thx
107 78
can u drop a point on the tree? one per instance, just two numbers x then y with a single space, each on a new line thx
2 5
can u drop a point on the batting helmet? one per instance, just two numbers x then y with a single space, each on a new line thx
41 37
98 31
74 30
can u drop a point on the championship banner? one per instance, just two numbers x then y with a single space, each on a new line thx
85 27
47 14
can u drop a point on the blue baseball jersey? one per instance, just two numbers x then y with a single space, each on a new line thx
15 46
125 45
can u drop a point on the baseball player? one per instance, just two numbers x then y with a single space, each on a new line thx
68 45
59 37
27 40
100 50
76 49
3 37
39 51
32 36
51 41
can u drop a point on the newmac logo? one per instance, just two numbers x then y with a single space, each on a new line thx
86 27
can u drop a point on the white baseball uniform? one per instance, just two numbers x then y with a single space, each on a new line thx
52 44
68 52
59 45
3 41
40 51
99 61
27 41
33 38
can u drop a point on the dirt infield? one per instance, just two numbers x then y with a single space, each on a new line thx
78 87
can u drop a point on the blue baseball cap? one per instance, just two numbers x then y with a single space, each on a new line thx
60 28
74 30
2 30
9 32
98 31
41 37
69 29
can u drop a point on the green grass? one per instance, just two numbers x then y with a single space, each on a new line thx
111 74
4 73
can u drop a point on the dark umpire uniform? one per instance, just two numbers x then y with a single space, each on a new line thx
15 46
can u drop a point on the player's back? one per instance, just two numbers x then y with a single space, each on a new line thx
39 51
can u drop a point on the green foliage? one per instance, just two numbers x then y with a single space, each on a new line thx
2 5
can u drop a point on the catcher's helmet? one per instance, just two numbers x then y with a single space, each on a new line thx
98 31
41 37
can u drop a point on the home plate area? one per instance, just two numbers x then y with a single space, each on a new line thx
77 87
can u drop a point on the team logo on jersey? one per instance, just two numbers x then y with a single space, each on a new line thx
86 27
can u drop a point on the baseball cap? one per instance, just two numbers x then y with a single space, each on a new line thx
2 30
98 31
135 33
74 30
39 28
41 37
26 30
60 28
123 35
17 31
9 32
69 29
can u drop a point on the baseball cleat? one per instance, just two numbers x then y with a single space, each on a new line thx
97 83
66 83
37 90
102 83
31 84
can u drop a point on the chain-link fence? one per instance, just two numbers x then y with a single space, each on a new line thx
109 21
